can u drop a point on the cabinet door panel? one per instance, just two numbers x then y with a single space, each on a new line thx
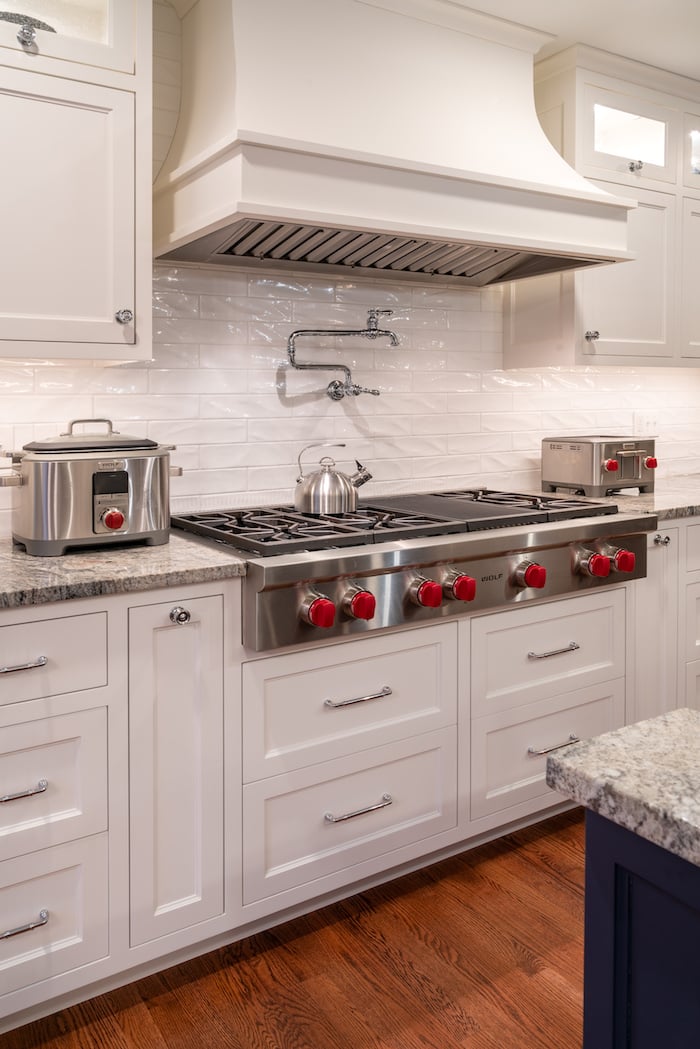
631 304
66 210
690 270
99 34
176 766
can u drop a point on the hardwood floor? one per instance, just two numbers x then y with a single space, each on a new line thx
483 950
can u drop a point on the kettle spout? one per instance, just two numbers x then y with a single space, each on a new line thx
361 477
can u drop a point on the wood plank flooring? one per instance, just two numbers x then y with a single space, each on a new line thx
483 950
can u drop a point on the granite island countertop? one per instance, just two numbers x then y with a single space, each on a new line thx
673 498
644 777
28 580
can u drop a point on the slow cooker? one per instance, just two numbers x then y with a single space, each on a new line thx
89 489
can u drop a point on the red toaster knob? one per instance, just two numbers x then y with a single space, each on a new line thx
360 604
611 465
624 561
113 519
461 587
529 573
651 462
426 592
319 611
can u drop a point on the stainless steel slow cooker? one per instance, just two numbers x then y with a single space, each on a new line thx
89 489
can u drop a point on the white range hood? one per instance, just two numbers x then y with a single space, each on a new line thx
395 137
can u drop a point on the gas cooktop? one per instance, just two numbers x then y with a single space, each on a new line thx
271 530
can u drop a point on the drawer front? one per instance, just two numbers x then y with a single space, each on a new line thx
301 709
379 801
62 892
505 772
53 781
48 657
526 654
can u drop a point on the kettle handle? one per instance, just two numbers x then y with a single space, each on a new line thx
317 444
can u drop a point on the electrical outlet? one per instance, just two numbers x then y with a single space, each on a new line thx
646 424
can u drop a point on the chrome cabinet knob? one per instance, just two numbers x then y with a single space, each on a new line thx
662 540
591 336
124 316
180 615
26 34
635 165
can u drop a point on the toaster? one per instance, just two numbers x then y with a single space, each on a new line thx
598 465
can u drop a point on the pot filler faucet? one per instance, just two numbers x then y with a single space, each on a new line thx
339 388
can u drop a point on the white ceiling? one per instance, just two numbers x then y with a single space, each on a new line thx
663 33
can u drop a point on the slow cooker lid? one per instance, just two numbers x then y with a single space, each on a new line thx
111 440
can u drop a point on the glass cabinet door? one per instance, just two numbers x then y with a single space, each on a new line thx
92 32
632 137
691 151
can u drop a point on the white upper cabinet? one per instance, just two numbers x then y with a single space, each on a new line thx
96 33
637 139
75 209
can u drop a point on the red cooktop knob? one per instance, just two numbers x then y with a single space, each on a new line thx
361 605
651 462
529 573
598 565
462 588
321 612
427 593
624 560
611 465
113 519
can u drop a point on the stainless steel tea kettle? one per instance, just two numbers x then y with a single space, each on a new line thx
328 491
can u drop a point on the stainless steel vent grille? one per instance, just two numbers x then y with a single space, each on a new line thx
297 245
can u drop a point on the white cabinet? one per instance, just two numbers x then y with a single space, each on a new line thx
541 678
176 779
350 762
627 136
75 207
101 33
654 641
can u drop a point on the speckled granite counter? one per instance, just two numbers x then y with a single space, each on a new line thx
26 580
673 498
645 777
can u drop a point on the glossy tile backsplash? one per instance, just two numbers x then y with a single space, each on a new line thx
220 389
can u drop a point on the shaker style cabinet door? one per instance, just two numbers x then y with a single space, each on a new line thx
99 33
66 216
176 765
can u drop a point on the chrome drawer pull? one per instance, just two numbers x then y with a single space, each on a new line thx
383 691
386 800
30 792
571 647
40 662
43 918
535 753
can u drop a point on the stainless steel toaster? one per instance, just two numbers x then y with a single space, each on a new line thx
598 465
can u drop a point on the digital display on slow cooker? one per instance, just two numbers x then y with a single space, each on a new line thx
110 482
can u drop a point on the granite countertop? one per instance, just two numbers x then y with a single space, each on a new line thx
645 777
30 580
672 498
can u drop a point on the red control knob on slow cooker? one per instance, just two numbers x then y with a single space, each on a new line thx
361 605
113 519
651 462
624 560
428 594
611 465
531 574
321 612
462 588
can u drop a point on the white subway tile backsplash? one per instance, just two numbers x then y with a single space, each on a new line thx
220 388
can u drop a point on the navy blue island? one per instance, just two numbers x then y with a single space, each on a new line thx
641 789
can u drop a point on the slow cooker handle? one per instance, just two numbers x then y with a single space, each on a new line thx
74 422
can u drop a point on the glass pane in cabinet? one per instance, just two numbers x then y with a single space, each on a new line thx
624 134
78 19
695 152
